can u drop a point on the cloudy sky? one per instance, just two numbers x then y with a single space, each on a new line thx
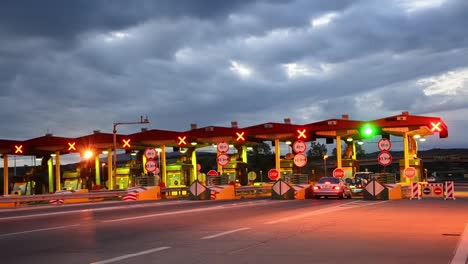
71 67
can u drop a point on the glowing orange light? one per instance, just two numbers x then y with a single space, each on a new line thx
435 127
19 149
240 136
71 146
126 143
88 154
182 140
302 134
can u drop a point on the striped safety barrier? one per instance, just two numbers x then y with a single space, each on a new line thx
60 201
133 193
415 191
449 190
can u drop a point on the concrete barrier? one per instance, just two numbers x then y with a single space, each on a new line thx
222 192
302 191
143 193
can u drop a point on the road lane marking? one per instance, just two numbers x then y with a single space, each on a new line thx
461 254
164 214
225 233
196 210
37 230
149 251
324 211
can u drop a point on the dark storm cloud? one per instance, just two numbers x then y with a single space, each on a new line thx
70 67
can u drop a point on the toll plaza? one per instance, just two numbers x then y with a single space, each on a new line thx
150 148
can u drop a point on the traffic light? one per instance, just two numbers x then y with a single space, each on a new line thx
368 130
240 136
301 134
438 126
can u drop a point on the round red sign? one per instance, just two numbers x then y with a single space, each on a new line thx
384 158
273 174
222 147
151 165
212 173
338 173
299 146
410 172
437 190
300 160
223 159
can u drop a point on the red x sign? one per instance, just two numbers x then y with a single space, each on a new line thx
71 146
182 141
19 149
302 134
240 136
126 143
435 127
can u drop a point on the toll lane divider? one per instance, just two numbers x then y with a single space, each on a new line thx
283 190
144 193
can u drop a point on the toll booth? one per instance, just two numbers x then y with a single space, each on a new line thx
21 186
349 166
71 180
286 167
179 174
122 178
415 163
237 172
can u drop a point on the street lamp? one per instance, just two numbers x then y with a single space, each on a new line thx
114 162
325 157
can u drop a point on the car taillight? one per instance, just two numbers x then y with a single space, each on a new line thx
359 186
336 187
316 188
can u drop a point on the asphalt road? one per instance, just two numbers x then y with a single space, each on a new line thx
430 230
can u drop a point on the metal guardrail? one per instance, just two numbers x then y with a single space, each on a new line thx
113 193
57 196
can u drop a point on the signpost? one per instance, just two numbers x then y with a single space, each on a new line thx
212 173
151 166
410 172
223 159
338 173
300 160
222 147
384 144
299 146
273 174
384 158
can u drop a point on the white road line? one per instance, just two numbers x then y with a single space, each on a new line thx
461 255
323 211
196 210
163 214
37 230
225 233
131 255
